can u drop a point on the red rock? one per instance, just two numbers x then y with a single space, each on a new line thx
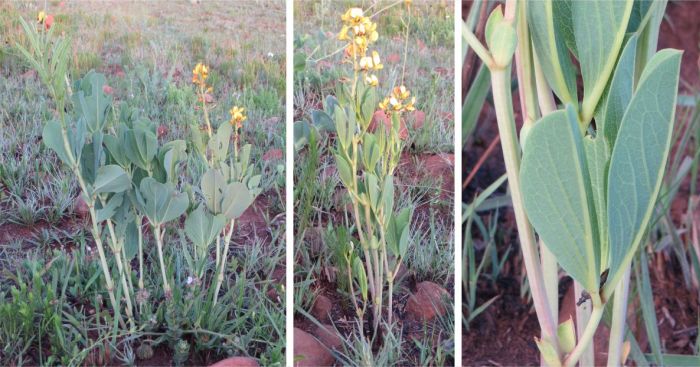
322 308
393 58
309 352
327 335
380 117
162 130
29 74
418 119
237 362
428 302
81 208
273 154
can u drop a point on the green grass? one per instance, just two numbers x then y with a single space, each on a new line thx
147 56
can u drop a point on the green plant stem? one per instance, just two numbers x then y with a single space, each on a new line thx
544 93
138 223
478 48
500 81
550 275
159 243
96 233
222 268
587 337
583 317
619 318
122 273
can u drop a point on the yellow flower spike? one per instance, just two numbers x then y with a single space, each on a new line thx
376 61
200 74
41 17
372 81
237 116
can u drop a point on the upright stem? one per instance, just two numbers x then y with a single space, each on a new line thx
550 274
500 81
96 233
139 223
619 317
222 267
587 336
122 273
583 317
159 244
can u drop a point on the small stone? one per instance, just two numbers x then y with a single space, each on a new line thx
314 240
144 351
428 302
309 352
327 335
81 208
322 308
393 58
162 130
418 119
237 362
381 117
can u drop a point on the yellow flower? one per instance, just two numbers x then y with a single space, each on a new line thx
353 16
237 116
376 62
400 93
200 74
395 104
410 106
371 63
384 104
343 35
41 17
372 80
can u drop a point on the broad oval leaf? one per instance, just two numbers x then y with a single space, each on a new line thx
556 194
639 156
90 100
111 178
201 227
53 138
599 28
236 200
161 203
545 21
212 186
618 94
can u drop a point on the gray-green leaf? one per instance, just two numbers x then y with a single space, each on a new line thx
556 194
202 227
237 199
111 178
639 156
599 27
